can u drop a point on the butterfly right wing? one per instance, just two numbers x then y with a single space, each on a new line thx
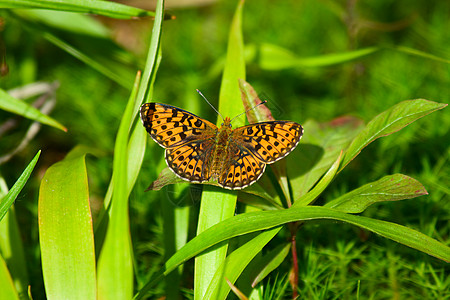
269 141
171 126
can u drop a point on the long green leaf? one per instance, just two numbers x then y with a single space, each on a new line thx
11 196
389 188
103 8
65 231
217 204
388 122
251 222
23 109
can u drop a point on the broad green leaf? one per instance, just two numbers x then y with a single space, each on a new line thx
273 57
8 291
65 231
271 261
103 8
235 263
388 122
389 188
11 196
318 150
255 221
23 109
218 204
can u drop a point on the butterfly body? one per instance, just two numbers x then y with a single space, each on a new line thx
198 151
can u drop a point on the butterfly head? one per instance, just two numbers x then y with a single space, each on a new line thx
226 122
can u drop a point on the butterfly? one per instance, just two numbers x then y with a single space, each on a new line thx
198 151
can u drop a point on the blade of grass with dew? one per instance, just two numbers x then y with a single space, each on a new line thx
65 230
255 221
11 196
23 109
388 122
8 291
217 204
103 8
235 263
115 267
389 188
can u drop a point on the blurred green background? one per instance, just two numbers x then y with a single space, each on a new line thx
194 44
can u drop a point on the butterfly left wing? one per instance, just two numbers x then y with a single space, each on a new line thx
190 161
171 126
269 141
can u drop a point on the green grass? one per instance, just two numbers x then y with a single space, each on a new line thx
288 47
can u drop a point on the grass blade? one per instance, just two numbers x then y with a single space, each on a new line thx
65 231
271 261
103 8
116 251
115 268
11 196
320 187
23 109
276 58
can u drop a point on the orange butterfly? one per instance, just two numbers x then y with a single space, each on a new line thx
198 151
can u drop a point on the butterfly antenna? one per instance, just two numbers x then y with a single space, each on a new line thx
198 91
265 101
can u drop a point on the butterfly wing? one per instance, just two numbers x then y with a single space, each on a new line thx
188 139
269 141
242 169
171 126
191 161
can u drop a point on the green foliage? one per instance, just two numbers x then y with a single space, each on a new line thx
306 228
